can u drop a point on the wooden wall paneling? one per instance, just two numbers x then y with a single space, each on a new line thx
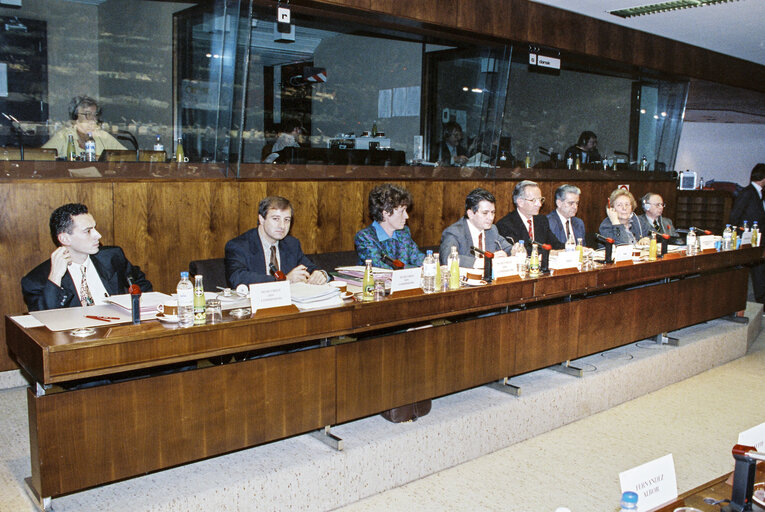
163 225
490 17
342 213
378 374
25 240
121 430
250 194
305 204
358 4
442 12
543 336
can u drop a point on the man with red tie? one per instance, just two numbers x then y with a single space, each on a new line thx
268 252
525 223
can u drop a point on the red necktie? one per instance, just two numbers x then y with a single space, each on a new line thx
480 243
531 229
274 262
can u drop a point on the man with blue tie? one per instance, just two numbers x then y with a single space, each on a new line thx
563 220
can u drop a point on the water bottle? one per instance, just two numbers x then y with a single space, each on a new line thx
368 285
439 277
185 292
534 265
644 163
569 163
90 149
629 502
199 301
727 238
691 242
158 146
570 242
527 160
755 234
429 273
453 263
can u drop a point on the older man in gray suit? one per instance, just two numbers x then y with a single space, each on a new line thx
475 229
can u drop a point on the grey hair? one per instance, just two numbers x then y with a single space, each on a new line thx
560 193
521 187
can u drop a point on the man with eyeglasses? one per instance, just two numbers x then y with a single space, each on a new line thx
525 223
652 220
563 220
84 119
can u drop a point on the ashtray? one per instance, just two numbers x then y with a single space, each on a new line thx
240 312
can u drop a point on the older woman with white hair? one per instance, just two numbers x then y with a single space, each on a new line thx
621 223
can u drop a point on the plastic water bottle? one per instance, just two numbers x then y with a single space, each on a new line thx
185 292
90 149
158 146
629 502
727 238
569 163
429 273
691 241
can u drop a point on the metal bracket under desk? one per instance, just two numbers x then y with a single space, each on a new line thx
665 339
568 369
734 317
42 504
505 386
325 436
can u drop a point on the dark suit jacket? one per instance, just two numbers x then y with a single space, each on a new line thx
747 206
512 226
112 266
246 262
458 235
559 231
445 156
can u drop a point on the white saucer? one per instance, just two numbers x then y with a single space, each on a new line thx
475 282
346 295
168 319
759 494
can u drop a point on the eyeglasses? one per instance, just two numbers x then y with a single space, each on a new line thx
661 205
88 115
535 200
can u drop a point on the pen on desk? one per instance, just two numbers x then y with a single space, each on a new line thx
102 318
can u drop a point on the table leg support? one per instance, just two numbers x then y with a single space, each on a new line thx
505 386
43 504
568 369
665 339
325 436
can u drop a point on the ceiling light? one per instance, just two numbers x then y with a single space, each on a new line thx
665 7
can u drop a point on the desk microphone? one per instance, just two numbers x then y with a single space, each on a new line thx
488 257
396 264
609 243
278 274
485 254
604 239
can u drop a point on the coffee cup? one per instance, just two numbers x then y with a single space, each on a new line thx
169 308
340 285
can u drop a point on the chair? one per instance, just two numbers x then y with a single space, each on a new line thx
118 155
213 270
38 154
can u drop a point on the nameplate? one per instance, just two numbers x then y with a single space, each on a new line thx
406 279
753 437
706 242
565 259
622 252
508 266
746 237
654 482
270 295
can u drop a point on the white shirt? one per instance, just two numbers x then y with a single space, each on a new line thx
526 224
96 287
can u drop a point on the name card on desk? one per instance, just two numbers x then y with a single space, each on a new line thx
622 252
755 436
654 482
746 237
406 279
565 259
706 242
270 295
503 267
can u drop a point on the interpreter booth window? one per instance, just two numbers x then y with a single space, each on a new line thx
104 68
551 114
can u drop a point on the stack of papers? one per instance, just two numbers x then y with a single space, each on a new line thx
354 275
314 296
149 301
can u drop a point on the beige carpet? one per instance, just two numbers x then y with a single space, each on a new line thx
578 465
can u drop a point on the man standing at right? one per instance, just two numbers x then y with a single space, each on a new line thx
748 206
652 219
563 220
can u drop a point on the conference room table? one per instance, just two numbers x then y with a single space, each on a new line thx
163 396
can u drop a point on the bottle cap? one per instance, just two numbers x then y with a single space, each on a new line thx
184 275
429 253
630 497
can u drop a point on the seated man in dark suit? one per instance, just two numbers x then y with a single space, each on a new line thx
653 220
264 253
563 220
79 272
525 223
475 229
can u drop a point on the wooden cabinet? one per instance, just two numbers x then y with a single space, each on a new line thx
709 209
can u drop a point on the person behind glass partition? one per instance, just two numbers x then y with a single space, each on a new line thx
450 150
388 235
84 118
586 148
288 138
621 223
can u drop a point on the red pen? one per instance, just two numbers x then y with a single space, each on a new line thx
103 318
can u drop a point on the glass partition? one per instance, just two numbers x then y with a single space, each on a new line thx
237 88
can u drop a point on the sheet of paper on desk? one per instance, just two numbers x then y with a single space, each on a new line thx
27 321
149 301
304 292
73 318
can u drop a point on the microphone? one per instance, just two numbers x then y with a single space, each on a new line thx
604 239
663 235
485 254
488 258
546 247
396 264
126 135
278 274
702 230
16 125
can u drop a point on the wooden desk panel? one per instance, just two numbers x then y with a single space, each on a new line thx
91 436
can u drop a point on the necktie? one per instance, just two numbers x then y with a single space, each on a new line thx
568 229
657 226
273 262
86 299
480 243
531 229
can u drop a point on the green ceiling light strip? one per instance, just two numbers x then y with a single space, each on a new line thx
665 7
